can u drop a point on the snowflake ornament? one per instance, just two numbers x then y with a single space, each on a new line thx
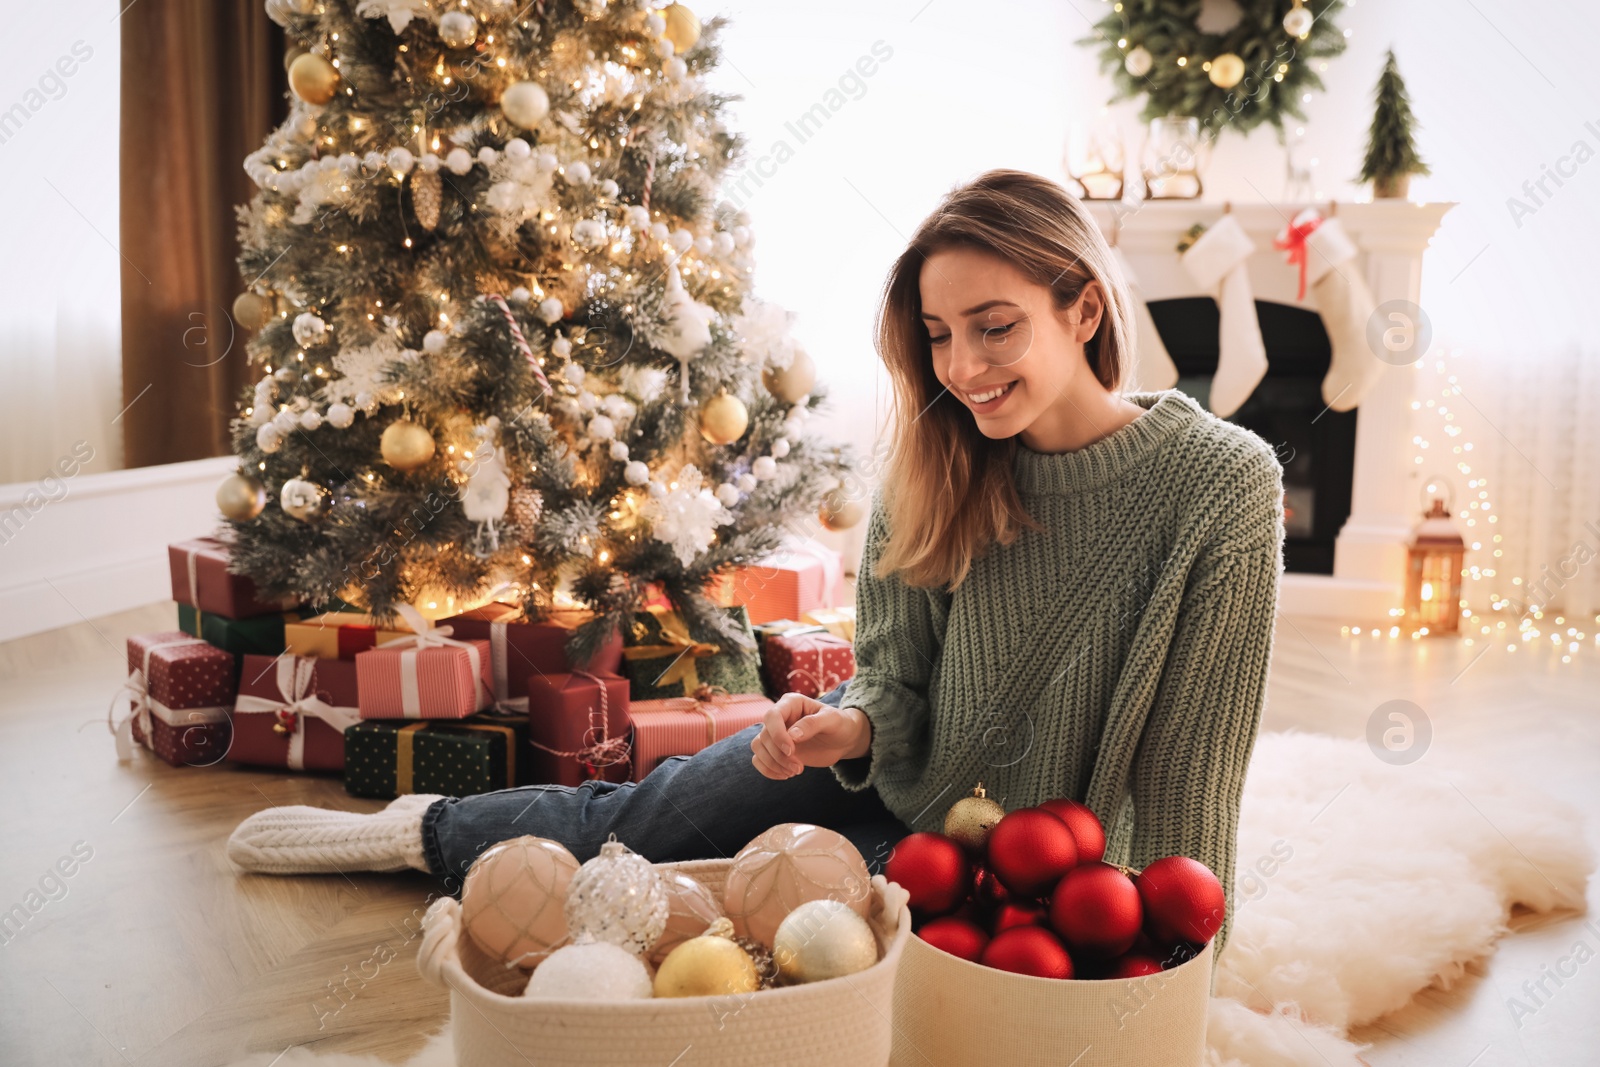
364 370
398 12
687 517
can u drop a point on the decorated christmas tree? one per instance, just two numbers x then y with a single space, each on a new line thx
1391 147
505 327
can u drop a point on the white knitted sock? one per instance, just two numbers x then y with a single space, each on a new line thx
304 840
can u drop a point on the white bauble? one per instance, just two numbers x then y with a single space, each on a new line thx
746 482
546 161
656 490
780 448
433 342
374 161
1297 23
525 103
487 156
562 348
401 161
517 148
609 189
587 233
676 69
458 160
659 231
268 439
310 420
429 163
301 499
702 244
1138 61
635 473
601 428
764 467
654 24
727 495
519 295
681 240
639 216
578 173
457 29
594 970
741 236
722 243
341 416
309 329
619 451
366 401
550 310
587 401
286 422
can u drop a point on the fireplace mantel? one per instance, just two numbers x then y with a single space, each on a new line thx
1369 555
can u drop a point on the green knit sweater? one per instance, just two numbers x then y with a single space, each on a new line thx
1117 657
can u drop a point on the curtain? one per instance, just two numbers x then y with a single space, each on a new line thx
202 85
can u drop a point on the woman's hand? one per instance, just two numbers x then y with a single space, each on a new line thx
800 732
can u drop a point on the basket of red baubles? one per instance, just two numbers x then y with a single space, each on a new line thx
1031 949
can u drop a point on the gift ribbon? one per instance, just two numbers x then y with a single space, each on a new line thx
294 676
822 680
705 701
499 657
141 706
1291 240
677 643
405 761
424 637
602 749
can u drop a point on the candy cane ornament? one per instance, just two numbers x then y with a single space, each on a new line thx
519 341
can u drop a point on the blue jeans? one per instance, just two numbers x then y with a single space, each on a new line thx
705 806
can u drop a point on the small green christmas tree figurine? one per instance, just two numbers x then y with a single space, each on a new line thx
1391 151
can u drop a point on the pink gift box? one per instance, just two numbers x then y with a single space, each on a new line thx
786 584
682 726
424 676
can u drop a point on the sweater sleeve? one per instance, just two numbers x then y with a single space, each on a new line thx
898 634
1189 770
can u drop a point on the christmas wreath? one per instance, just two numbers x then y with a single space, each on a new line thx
1229 63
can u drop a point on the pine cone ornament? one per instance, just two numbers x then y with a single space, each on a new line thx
522 517
761 956
426 197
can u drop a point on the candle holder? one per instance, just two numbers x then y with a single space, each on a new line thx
1093 157
1172 158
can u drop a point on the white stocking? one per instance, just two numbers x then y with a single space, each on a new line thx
1346 305
1153 366
1216 261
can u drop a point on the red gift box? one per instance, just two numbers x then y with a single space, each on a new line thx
682 726
578 726
293 711
812 663
424 675
784 585
200 578
518 647
180 691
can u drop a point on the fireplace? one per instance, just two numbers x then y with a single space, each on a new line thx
1351 495
1317 447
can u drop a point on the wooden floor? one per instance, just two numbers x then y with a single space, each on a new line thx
155 951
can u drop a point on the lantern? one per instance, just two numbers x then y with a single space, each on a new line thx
1433 573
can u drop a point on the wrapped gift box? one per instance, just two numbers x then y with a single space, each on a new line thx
519 647
840 622
682 726
808 661
764 630
259 635
802 576
456 758
578 727
424 675
200 578
662 659
293 711
339 634
180 692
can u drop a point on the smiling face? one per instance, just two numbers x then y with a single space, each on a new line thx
1002 348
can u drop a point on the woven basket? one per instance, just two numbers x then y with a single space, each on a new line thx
842 1022
951 1013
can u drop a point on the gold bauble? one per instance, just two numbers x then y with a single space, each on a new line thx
823 939
723 420
406 445
791 383
683 28
838 511
970 819
240 497
313 78
251 310
710 965
292 53
1227 70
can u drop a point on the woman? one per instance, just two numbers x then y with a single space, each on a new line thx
1067 590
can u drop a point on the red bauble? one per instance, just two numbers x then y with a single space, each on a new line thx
1096 910
933 869
1028 950
1183 900
987 892
1029 850
1086 829
1133 965
955 936
1018 913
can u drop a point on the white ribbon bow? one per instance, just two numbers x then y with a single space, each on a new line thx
139 703
299 701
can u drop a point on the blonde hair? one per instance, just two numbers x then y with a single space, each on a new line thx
948 489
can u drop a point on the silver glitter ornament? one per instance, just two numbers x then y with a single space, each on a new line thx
619 898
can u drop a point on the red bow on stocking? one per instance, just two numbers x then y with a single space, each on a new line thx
1292 241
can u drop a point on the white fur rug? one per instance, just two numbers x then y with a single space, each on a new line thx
1358 885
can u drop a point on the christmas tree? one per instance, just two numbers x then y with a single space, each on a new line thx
505 327
1391 149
